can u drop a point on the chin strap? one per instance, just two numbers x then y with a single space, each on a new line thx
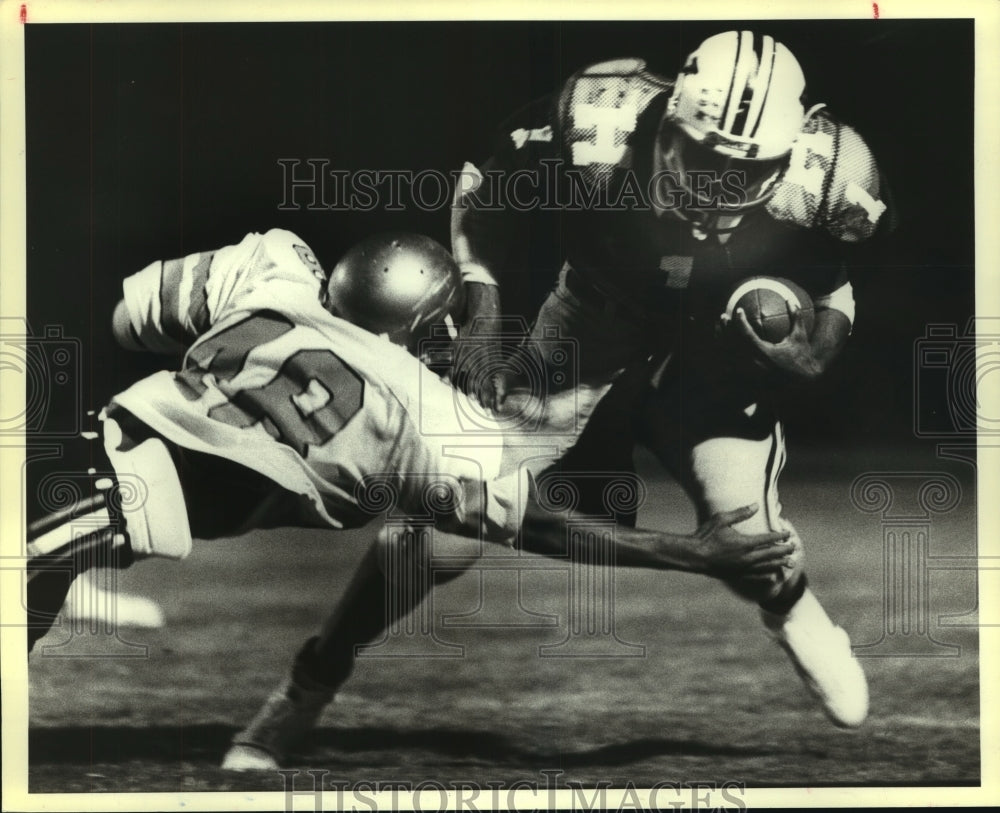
812 111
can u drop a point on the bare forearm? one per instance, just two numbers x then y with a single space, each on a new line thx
594 540
493 511
830 333
715 549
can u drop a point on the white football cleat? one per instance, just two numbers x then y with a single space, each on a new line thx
821 654
287 715
248 758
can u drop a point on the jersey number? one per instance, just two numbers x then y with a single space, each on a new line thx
311 398
606 145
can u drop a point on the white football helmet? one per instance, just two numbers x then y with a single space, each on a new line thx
737 105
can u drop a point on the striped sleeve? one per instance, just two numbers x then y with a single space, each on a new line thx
167 302
172 302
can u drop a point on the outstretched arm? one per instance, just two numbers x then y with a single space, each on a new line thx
507 511
715 549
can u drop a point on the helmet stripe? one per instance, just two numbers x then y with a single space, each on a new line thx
732 80
763 86
741 76
745 104
759 44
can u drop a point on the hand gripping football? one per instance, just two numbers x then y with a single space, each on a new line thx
765 301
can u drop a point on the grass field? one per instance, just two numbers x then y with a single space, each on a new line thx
708 698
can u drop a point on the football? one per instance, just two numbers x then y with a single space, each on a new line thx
765 300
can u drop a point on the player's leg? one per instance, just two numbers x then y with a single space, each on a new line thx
580 345
726 457
93 536
120 493
86 510
819 650
292 709
602 453
394 577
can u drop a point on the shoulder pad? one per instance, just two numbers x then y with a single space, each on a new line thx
282 236
614 67
599 107
281 252
832 182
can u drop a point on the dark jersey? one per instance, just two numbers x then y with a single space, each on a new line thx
588 154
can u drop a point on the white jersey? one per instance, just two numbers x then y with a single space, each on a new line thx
271 380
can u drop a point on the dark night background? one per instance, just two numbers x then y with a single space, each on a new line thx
152 141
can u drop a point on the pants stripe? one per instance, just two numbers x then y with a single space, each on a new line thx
64 534
57 518
775 464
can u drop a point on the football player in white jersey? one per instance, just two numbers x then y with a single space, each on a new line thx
298 402
671 192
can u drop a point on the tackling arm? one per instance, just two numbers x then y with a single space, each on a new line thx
715 549
508 507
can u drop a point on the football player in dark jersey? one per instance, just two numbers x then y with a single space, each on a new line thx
668 193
